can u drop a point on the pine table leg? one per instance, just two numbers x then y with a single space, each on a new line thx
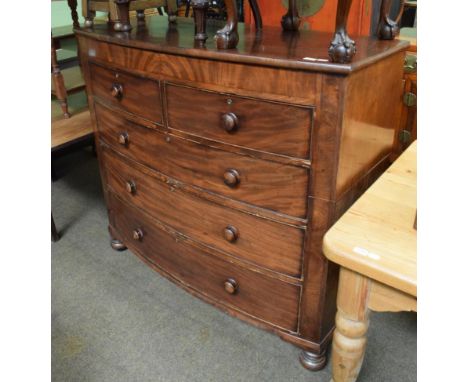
352 322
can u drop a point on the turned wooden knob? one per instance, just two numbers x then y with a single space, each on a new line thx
117 90
231 177
231 233
123 139
130 186
138 234
231 286
230 122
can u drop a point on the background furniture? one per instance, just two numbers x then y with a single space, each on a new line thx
223 171
121 19
374 242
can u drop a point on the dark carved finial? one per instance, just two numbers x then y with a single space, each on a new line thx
227 38
342 47
388 28
291 20
200 9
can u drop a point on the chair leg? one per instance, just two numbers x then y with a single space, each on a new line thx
227 38
72 4
172 10
256 14
88 14
291 20
342 49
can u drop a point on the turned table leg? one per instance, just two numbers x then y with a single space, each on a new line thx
388 28
342 48
88 14
352 322
172 10
59 82
227 38
291 20
200 8
123 11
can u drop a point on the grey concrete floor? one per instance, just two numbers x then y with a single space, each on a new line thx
114 319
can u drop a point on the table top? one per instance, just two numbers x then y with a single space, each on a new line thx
304 50
376 236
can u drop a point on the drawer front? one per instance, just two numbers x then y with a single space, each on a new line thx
259 182
263 297
261 125
134 94
264 243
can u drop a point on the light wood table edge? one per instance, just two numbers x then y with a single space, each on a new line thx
392 279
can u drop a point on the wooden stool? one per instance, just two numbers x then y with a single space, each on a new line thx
374 242
119 11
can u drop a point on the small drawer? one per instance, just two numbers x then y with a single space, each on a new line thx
278 187
273 127
262 242
137 95
268 299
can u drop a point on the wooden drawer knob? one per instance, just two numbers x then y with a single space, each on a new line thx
230 122
231 177
123 139
231 286
231 233
131 187
117 90
138 234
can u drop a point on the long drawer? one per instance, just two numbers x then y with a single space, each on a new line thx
264 243
267 184
254 123
263 297
131 93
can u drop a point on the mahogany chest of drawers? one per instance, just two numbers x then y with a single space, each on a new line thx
222 170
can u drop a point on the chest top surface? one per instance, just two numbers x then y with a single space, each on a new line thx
304 50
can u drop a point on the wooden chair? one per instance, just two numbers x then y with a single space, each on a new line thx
120 19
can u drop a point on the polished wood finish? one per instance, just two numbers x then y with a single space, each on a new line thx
120 89
232 232
374 242
257 152
342 48
205 167
200 8
291 20
388 28
264 297
228 37
265 126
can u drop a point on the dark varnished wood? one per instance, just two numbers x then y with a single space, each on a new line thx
266 126
291 20
342 48
269 49
228 37
388 28
131 93
200 8
325 166
235 233
264 297
263 183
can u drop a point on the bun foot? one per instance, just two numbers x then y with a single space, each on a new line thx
117 245
312 361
